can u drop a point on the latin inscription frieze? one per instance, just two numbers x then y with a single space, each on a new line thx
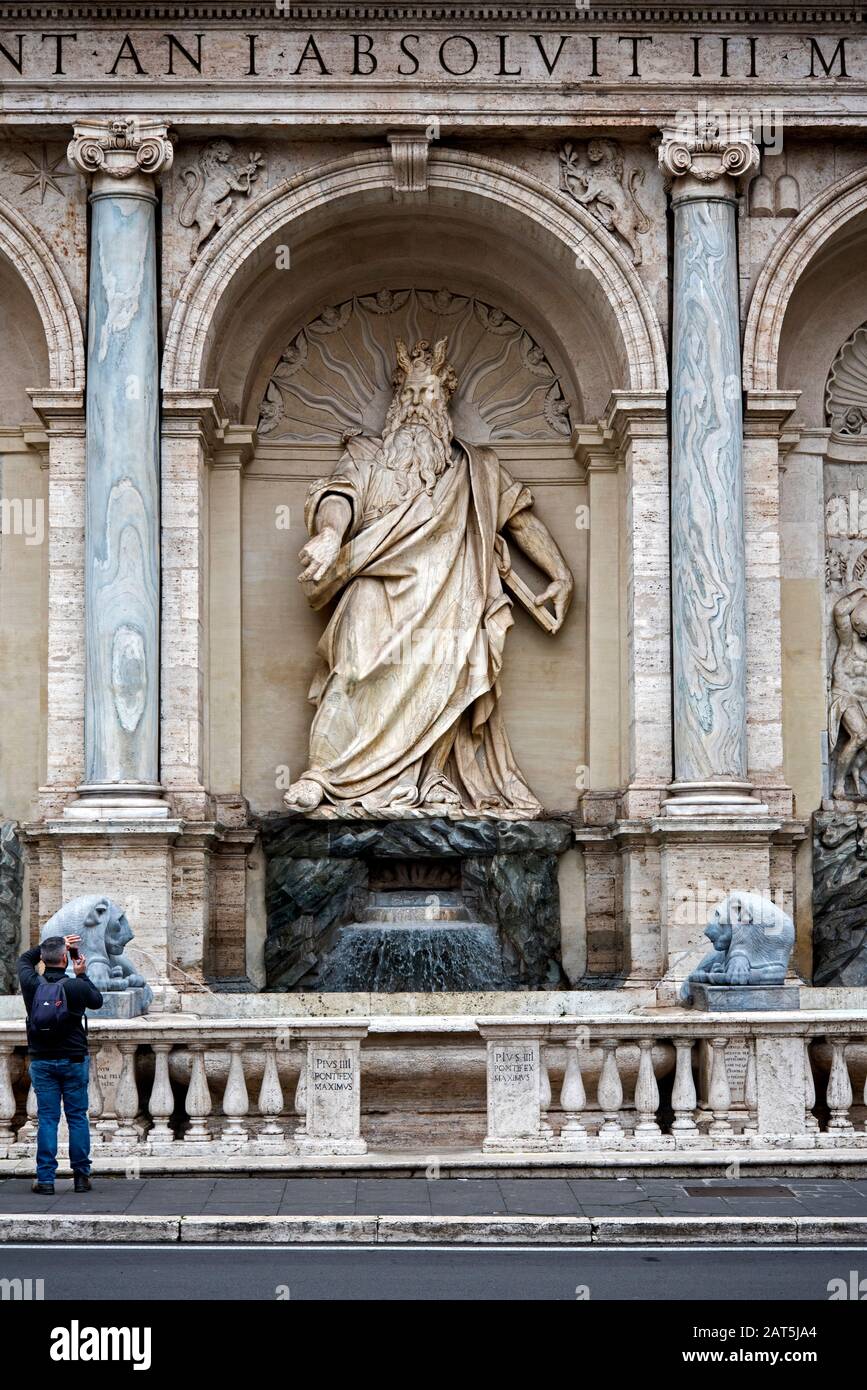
474 53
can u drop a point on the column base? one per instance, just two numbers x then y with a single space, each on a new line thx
717 797
313 1145
113 801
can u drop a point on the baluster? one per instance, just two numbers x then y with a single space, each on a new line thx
683 1097
573 1099
646 1092
7 1097
270 1101
810 1121
95 1099
161 1102
27 1132
544 1092
126 1098
236 1102
719 1092
301 1095
751 1095
609 1093
839 1088
197 1101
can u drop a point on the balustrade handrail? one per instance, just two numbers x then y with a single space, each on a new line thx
626 1028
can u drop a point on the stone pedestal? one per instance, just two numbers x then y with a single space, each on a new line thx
514 1090
333 1091
745 998
127 1003
780 1086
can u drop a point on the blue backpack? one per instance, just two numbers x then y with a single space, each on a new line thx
49 1011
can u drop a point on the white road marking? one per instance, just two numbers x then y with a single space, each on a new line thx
230 1248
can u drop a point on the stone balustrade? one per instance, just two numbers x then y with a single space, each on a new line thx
694 1083
176 1088
161 1087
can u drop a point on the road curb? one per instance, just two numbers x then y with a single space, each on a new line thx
484 1230
279 1230
35 1227
445 1230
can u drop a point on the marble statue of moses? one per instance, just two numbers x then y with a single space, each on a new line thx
407 536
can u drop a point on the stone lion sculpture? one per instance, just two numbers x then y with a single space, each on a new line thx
104 931
752 941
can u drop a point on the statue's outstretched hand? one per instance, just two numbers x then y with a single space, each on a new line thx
559 592
319 555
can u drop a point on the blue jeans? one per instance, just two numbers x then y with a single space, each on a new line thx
52 1080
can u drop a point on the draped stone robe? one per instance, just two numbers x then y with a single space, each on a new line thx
407 691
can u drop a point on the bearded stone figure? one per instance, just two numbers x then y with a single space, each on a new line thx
407 535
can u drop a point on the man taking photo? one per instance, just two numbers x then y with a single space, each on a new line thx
59 1062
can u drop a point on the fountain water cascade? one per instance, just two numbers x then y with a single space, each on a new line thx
415 941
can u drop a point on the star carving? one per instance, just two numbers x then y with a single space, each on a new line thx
42 174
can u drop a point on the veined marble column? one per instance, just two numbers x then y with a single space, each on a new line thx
123 469
707 485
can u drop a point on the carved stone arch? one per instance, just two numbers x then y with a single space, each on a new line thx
32 258
803 238
334 375
192 328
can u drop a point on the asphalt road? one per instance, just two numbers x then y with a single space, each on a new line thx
425 1273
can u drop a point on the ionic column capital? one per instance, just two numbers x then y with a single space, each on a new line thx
705 164
123 149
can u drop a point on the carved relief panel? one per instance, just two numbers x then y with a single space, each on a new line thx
334 377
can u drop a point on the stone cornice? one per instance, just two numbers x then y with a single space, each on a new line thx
234 447
60 411
636 415
672 12
594 450
767 414
194 415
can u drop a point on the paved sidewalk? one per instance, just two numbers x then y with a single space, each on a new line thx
447 1197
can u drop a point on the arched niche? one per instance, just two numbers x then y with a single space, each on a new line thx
813 316
513 400
494 220
489 236
826 306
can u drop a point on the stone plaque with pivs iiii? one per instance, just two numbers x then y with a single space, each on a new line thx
333 1091
513 1088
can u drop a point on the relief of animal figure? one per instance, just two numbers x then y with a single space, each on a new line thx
209 202
599 185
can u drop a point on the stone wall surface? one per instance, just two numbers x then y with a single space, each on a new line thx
507 162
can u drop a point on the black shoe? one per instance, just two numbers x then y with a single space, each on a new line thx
45 1189
82 1182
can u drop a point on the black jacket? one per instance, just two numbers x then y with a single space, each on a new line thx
81 993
